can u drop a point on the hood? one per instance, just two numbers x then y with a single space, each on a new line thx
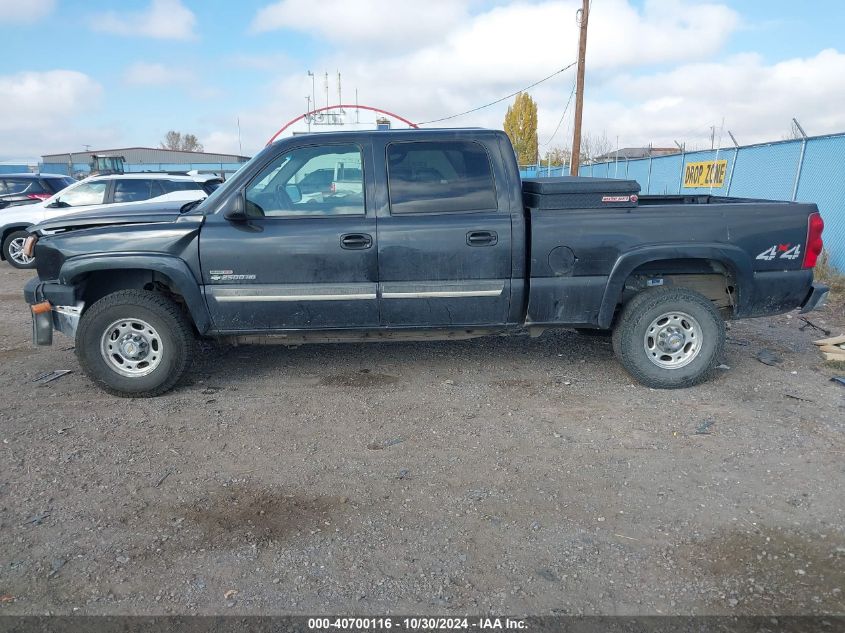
129 213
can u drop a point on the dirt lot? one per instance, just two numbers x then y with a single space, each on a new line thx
498 475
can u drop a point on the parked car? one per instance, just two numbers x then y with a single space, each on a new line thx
92 193
19 189
446 243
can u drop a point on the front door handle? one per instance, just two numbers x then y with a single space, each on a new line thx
482 238
356 241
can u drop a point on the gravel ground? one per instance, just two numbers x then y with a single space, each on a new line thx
505 475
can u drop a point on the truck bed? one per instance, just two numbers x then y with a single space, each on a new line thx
582 258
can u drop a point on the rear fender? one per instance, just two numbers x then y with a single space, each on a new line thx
732 258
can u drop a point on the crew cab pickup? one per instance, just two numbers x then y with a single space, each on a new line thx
440 240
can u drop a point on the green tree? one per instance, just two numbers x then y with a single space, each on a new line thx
187 143
521 127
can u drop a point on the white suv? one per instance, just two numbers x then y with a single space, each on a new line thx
95 193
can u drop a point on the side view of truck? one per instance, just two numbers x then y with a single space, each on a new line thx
440 238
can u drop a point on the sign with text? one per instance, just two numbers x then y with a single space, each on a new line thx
709 173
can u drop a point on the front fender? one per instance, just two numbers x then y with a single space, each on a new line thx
172 267
733 258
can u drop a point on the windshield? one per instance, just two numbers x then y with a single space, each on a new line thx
55 196
232 183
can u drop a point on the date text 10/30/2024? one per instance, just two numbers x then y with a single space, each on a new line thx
413 624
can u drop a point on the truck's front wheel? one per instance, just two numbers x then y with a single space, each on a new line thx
669 338
134 343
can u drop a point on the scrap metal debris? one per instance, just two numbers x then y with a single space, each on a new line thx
50 376
163 477
704 427
794 397
768 357
808 323
38 519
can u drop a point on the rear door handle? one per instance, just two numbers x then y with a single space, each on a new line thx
356 241
482 238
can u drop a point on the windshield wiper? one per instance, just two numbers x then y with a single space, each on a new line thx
190 206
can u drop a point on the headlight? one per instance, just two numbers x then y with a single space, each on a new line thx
29 245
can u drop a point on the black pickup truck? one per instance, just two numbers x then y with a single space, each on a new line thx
419 234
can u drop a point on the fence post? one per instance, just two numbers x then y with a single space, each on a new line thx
798 171
681 175
731 176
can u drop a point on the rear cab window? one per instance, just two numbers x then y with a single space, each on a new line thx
439 177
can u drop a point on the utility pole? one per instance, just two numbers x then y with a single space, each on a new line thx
712 137
584 14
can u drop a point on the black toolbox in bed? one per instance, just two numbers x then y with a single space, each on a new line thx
575 192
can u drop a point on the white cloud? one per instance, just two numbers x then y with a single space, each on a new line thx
149 74
41 110
164 19
656 72
17 12
385 22
756 100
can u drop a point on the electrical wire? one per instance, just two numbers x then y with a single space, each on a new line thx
513 94
560 122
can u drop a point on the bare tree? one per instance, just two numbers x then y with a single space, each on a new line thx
557 156
593 145
176 141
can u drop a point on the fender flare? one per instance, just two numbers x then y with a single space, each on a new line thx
733 258
173 267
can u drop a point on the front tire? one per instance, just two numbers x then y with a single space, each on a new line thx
135 343
13 250
669 338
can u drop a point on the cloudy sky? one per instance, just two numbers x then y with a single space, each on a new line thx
112 74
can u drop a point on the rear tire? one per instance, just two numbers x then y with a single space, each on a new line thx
12 250
669 338
135 343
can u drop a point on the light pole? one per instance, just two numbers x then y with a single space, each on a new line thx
313 97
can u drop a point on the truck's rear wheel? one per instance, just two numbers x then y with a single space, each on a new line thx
669 338
134 343
13 250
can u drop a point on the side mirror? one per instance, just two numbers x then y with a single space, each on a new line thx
235 211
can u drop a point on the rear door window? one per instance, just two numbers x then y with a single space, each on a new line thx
133 190
439 177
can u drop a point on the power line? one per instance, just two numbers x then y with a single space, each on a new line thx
565 109
513 94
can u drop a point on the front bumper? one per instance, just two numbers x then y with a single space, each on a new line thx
816 298
53 307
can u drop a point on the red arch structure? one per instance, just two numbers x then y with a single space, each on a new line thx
336 107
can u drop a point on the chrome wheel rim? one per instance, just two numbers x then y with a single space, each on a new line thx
672 340
16 251
131 347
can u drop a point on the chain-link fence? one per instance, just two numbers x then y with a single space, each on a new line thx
805 170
